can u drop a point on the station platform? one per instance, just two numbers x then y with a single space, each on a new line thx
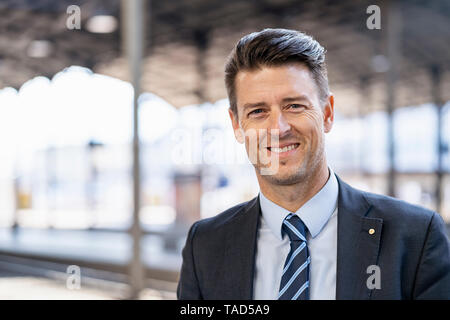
96 249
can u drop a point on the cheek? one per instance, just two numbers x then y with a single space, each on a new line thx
310 127
310 124
254 131
254 124
255 139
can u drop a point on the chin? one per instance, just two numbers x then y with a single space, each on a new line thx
287 177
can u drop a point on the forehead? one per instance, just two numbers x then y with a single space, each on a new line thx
272 83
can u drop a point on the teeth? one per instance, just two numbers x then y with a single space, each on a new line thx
285 149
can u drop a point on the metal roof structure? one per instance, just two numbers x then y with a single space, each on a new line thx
188 41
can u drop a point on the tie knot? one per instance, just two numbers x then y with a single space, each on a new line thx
294 227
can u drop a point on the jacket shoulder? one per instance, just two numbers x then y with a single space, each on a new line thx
214 223
389 208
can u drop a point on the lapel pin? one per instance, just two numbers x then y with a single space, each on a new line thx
371 231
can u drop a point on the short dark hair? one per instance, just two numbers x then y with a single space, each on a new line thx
274 47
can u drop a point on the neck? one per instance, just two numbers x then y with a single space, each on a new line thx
292 197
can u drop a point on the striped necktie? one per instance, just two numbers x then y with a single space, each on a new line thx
295 279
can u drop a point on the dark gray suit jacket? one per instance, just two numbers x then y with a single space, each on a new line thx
409 245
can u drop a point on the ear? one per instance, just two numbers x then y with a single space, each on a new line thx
328 114
236 127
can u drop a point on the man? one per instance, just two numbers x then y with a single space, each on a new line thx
308 235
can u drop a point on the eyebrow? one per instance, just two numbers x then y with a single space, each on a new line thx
287 99
297 98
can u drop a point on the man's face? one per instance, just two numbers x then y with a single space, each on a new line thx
282 105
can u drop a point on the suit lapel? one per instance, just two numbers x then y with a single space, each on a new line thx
240 251
357 249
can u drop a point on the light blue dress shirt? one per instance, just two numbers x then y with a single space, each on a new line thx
319 215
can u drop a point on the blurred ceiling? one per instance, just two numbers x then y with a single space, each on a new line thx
188 41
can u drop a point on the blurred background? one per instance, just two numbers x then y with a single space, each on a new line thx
115 136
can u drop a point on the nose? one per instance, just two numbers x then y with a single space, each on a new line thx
280 122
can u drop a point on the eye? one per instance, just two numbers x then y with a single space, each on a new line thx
296 107
255 112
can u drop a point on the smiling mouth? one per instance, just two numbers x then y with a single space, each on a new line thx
285 148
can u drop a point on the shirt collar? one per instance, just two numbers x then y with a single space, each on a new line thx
315 213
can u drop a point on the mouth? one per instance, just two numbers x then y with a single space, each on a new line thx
282 150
